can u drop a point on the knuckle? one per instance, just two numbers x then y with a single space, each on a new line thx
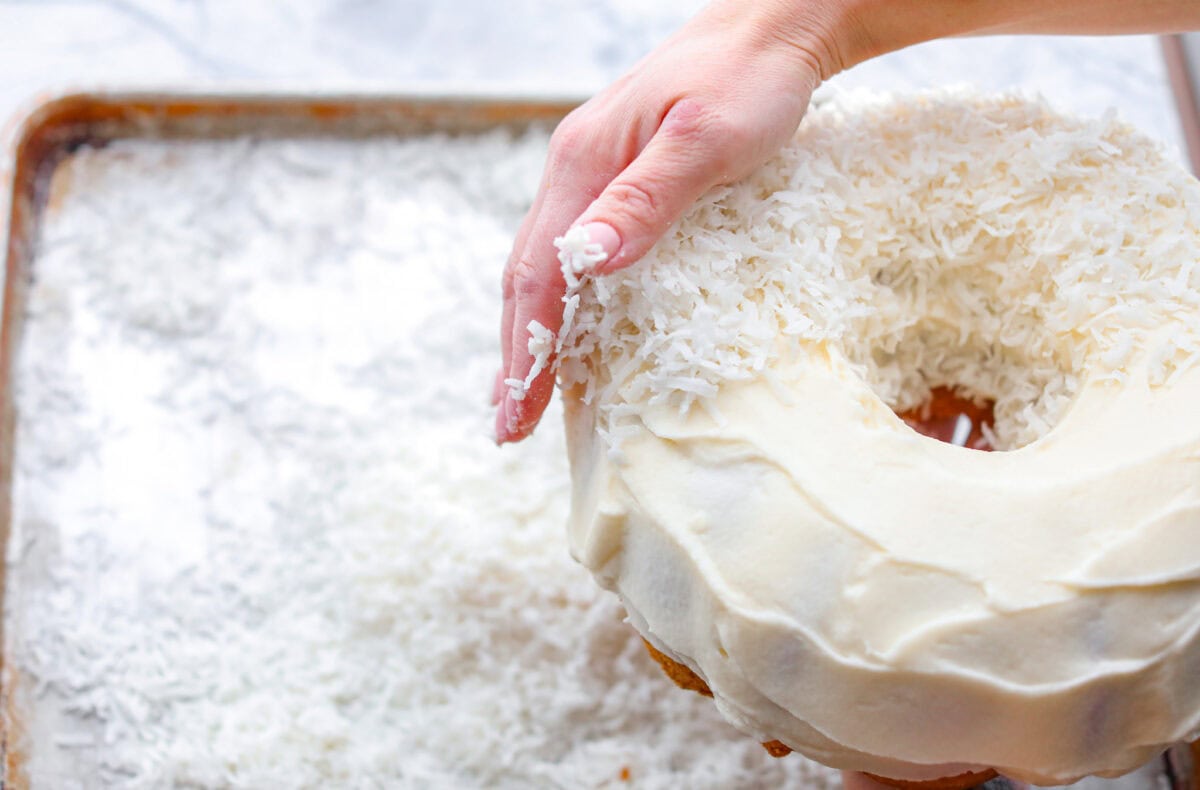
569 142
524 279
637 201
691 120
576 117
719 133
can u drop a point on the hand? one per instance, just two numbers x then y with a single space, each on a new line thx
705 108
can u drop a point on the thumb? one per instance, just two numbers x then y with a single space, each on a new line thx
690 152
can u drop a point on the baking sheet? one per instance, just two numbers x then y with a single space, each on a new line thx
212 331
45 177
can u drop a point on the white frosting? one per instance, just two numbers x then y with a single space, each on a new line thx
891 599
882 601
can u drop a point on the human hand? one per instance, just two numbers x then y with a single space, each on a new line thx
705 108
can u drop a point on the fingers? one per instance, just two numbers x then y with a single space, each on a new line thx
576 170
506 316
693 149
537 287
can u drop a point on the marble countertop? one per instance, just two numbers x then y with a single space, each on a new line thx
559 47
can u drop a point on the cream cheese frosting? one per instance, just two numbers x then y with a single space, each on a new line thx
874 598
882 601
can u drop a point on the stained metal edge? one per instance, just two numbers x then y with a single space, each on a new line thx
32 142
1184 76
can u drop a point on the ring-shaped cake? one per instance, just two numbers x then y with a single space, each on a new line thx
871 597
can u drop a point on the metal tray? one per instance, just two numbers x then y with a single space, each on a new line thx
54 128
43 137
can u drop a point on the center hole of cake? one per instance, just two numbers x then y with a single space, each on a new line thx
951 418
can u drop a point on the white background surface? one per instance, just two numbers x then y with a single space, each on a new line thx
536 46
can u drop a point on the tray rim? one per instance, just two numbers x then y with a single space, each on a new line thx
34 138
29 136
130 113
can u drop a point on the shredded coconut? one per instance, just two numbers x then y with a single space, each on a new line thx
262 537
577 256
990 245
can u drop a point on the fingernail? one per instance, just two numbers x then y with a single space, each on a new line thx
607 237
